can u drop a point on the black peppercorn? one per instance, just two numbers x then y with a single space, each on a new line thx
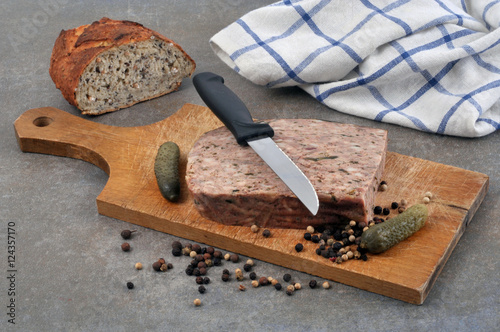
130 285
320 228
394 205
170 266
226 271
318 251
337 235
337 245
217 254
313 283
299 247
263 281
266 233
287 277
125 246
176 251
277 286
289 292
325 236
364 257
234 258
247 267
176 244
201 264
203 271
126 234
315 239
196 271
225 277
307 236
386 211
157 266
324 253
377 210
210 250
199 280
206 280
217 261
252 275
189 270
196 248
202 289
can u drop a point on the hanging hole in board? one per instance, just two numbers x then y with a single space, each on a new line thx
42 121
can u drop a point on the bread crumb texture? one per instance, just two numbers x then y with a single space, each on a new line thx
110 65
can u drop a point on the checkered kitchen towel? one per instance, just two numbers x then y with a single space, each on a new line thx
432 65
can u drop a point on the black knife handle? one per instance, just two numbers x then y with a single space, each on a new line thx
226 105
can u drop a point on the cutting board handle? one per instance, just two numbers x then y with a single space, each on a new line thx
52 131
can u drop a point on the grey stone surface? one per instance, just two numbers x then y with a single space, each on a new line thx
71 273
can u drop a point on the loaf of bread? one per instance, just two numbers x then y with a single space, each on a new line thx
109 65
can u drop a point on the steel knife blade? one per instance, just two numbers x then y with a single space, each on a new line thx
229 108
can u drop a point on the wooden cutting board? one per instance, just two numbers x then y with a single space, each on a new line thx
405 272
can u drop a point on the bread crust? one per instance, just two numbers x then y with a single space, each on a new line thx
74 49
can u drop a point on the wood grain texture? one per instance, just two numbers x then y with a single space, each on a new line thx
405 272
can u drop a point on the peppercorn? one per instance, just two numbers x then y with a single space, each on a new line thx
394 205
234 258
156 266
364 257
299 247
310 229
197 302
206 280
207 256
426 200
199 280
203 271
315 238
337 245
217 261
196 248
377 210
277 286
161 260
125 246
226 271
225 277
307 236
318 251
242 288
202 289
209 262
127 234
274 281
326 285
287 277
176 251
193 254
263 281
266 233
290 288
176 244
138 266
297 286
227 257
289 292
199 257
352 238
130 285
313 283
252 275
247 267
254 228
196 272
189 270
201 264
255 284
386 211
163 267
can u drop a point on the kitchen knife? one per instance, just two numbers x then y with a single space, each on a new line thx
226 105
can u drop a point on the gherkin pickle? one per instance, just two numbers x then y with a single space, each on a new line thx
383 236
167 171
